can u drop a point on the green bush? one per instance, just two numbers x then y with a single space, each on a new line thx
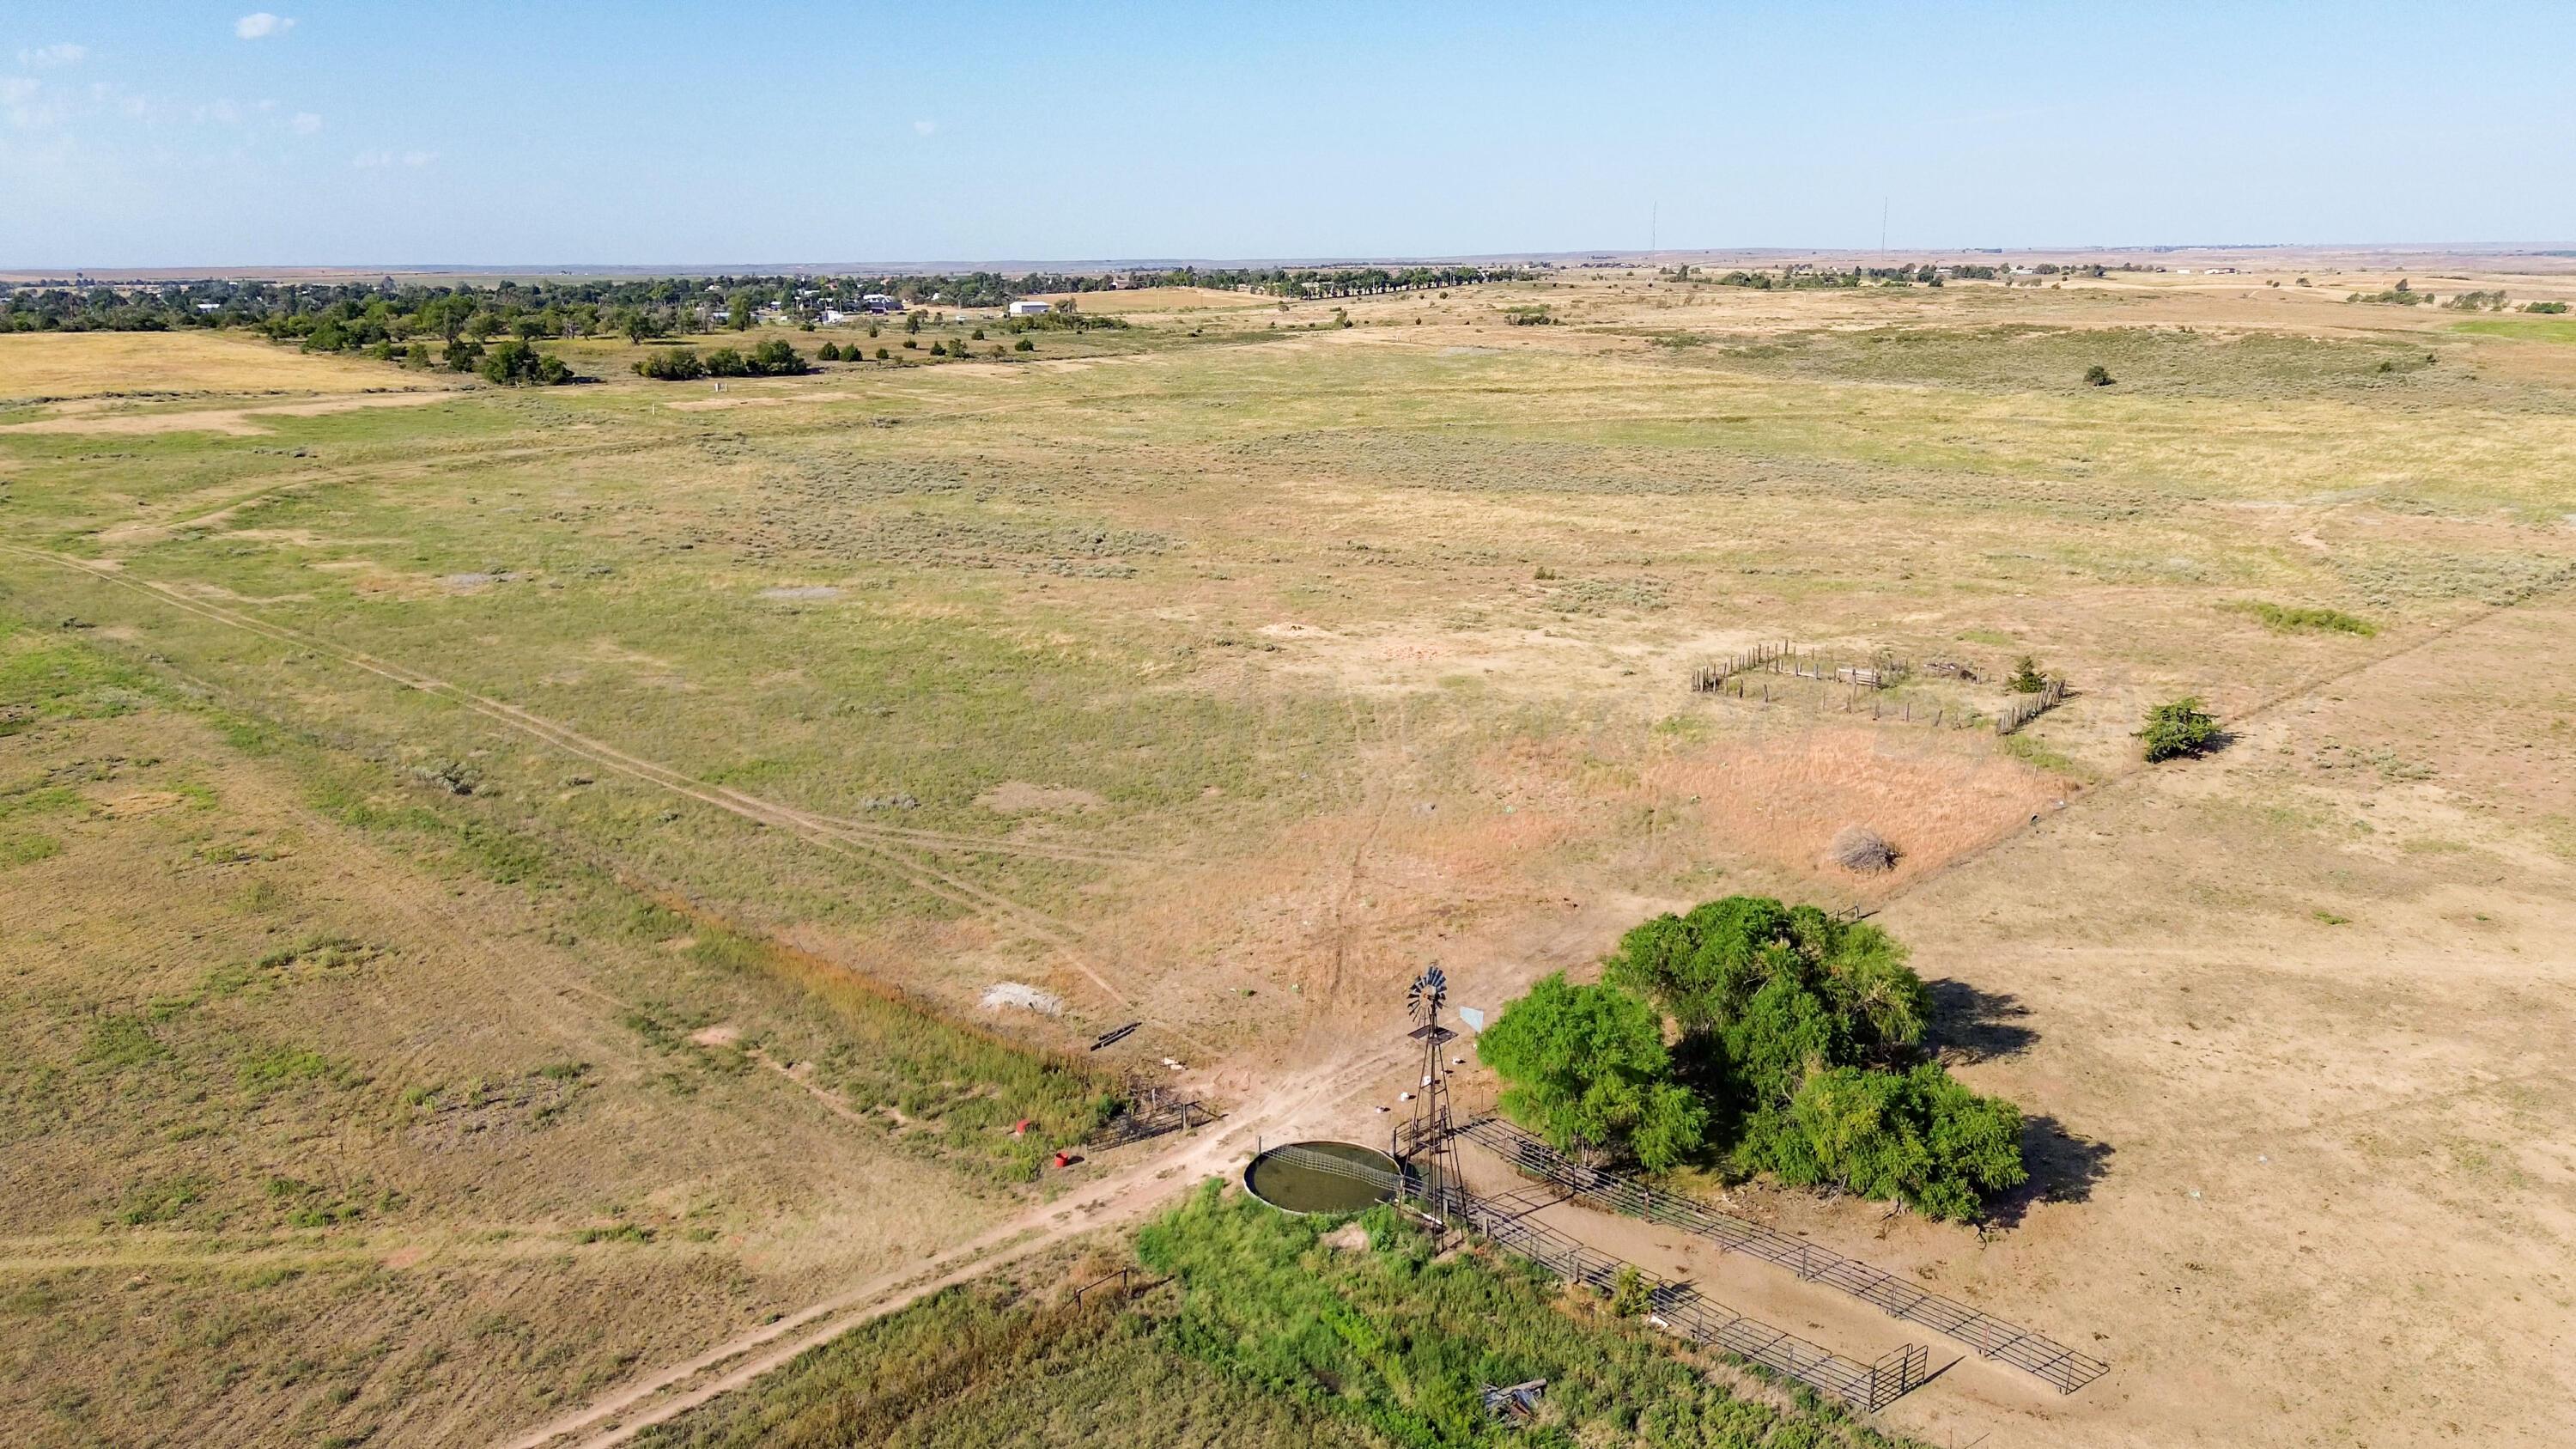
1587 1064
2287 620
2551 308
1916 1136
829 352
517 363
1024 345
2026 678
676 364
775 358
2179 727
2097 376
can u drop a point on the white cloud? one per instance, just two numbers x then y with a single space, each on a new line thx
306 123
259 25
370 160
49 55
26 105
924 128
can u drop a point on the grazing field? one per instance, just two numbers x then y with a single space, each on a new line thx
502 890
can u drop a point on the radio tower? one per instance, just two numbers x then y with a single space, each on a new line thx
1428 1153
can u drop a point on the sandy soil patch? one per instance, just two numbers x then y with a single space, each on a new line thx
140 802
1785 799
1159 299
232 422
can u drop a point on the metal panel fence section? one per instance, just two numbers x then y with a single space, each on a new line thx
1675 1307
1152 1110
2053 1362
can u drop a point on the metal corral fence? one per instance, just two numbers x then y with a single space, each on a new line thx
1882 670
1675 1307
1152 1110
1992 1337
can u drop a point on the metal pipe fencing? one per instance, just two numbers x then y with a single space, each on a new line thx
1675 1307
2054 1363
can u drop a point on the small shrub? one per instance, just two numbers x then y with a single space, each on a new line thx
882 354
828 352
775 358
2178 727
2551 308
1629 1296
2026 677
1024 345
2097 376
1861 850
677 364
517 363
2284 620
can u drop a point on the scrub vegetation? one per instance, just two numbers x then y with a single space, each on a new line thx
1272 1330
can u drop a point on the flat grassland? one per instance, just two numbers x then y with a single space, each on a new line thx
445 845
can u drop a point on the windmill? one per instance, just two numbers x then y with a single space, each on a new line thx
1425 1148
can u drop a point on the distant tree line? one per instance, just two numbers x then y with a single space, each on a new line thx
352 316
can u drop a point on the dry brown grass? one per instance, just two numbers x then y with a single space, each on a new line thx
1370 646
95 364
310 1136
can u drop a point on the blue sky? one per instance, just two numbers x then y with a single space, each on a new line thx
138 134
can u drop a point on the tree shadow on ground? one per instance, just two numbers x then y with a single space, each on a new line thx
2063 1167
1971 1025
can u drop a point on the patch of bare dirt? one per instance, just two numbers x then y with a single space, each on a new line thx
233 422
1785 799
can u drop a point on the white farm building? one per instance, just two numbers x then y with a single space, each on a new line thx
1028 307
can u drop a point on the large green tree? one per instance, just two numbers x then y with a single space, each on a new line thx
1587 1064
1707 967
1798 1055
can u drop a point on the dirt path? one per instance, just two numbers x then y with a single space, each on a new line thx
1121 1198
831 833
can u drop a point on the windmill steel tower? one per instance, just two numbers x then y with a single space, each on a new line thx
1425 1148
